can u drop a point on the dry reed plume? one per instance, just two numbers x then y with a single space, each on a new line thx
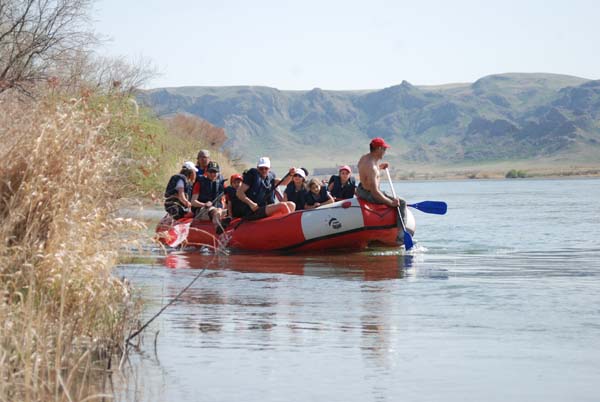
62 313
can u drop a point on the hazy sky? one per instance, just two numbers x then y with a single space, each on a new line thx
351 44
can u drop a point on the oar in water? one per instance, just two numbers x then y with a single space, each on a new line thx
430 207
180 230
408 242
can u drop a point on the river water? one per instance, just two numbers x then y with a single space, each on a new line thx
500 301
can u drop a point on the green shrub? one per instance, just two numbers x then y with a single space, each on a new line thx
516 174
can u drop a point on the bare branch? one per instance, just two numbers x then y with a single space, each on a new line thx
35 34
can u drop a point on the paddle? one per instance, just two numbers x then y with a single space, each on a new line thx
430 207
178 233
408 242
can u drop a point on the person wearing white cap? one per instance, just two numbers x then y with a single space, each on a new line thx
258 189
296 191
179 191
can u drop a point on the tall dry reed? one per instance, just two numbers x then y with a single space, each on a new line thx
62 312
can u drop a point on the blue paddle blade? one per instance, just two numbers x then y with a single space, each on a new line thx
408 242
431 207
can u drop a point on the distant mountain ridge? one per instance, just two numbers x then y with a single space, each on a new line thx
498 117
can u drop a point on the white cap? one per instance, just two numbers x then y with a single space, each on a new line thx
190 165
300 173
264 161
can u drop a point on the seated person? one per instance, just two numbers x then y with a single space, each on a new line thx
296 191
317 195
369 169
257 191
342 186
207 196
235 207
179 190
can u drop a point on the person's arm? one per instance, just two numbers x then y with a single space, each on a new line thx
182 197
330 199
286 179
195 194
241 194
378 194
229 203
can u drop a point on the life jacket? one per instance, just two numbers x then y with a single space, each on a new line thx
298 197
312 199
209 191
171 189
238 208
340 192
261 191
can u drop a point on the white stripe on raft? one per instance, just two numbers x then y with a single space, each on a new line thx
332 219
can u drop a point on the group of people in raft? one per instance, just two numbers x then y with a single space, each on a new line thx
199 190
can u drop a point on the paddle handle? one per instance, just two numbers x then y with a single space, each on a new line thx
408 243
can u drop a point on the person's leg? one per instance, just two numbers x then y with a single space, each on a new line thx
176 210
291 206
283 207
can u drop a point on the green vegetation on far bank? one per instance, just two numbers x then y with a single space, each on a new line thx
515 174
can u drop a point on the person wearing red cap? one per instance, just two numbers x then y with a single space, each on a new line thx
368 171
342 186
235 207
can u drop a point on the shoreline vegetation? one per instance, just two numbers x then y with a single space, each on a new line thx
497 173
69 161
75 148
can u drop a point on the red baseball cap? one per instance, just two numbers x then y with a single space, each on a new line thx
235 177
346 167
379 142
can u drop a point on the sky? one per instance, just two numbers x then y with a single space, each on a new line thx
337 45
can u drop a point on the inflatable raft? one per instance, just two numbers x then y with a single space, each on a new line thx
352 224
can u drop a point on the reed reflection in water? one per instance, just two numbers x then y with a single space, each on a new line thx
251 314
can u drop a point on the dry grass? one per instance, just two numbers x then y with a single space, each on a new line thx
62 312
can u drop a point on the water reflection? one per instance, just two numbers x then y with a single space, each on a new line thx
359 266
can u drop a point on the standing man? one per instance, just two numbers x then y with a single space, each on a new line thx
258 191
368 171
202 161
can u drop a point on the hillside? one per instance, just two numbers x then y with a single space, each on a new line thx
500 118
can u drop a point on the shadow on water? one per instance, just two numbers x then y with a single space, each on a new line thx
355 266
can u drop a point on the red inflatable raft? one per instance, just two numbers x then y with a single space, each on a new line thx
350 224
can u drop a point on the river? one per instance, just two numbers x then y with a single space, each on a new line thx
500 301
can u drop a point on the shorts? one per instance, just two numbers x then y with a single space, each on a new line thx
260 213
175 209
367 196
205 213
